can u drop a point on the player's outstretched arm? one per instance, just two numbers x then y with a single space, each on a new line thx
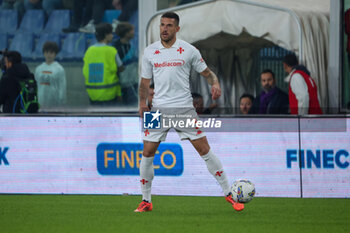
143 93
213 80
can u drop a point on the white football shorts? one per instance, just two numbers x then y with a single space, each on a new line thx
182 120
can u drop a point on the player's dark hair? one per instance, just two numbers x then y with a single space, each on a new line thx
246 95
102 30
123 28
50 46
172 15
268 71
291 60
14 57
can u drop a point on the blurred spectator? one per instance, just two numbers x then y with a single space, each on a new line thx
32 4
9 84
198 104
47 5
51 79
303 96
14 4
245 103
272 100
100 69
128 76
67 4
126 32
127 7
77 19
150 95
87 14
94 12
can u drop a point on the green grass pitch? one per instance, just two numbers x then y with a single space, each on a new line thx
100 213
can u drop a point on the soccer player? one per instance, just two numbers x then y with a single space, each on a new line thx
169 62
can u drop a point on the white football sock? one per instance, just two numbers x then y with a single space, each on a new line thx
215 168
146 177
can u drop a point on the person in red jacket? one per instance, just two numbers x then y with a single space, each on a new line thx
303 96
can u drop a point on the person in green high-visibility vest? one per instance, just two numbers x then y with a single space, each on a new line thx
101 63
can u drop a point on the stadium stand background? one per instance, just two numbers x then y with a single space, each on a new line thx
28 36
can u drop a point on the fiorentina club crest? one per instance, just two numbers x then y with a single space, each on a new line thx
180 50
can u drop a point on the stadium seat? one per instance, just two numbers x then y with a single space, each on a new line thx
109 15
58 20
23 42
44 37
3 41
73 47
33 21
8 21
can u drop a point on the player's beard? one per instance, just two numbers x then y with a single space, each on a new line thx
167 39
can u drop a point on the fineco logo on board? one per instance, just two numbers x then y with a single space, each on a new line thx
3 159
125 159
320 159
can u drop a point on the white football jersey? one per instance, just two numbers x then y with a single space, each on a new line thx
170 69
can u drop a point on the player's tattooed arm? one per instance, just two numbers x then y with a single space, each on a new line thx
210 76
143 94
213 80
